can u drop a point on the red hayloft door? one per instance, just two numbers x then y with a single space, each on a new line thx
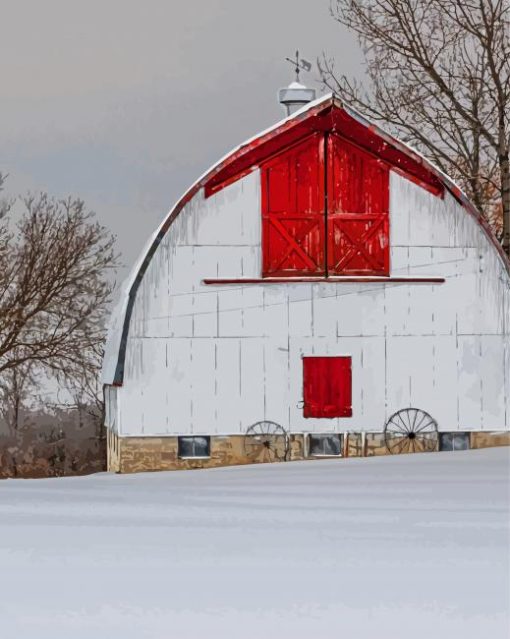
358 211
327 387
305 233
293 215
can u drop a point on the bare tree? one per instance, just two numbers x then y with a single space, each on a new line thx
55 288
85 390
439 76
16 388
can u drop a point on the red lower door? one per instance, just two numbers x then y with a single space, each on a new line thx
327 387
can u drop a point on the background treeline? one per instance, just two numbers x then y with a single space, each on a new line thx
56 282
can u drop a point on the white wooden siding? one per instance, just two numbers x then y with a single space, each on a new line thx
206 359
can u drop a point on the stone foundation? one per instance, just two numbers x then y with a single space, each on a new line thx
112 451
482 439
144 454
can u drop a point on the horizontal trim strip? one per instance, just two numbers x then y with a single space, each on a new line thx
350 431
326 280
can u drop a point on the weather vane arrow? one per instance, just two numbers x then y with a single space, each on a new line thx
299 65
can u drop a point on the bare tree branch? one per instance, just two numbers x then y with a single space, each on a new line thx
439 77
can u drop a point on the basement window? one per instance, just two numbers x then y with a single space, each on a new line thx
453 441
325 445
194 447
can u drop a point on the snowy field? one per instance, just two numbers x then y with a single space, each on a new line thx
390 547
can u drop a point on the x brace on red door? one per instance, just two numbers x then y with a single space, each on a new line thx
359 245
296 243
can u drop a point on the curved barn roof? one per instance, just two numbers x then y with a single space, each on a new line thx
326 113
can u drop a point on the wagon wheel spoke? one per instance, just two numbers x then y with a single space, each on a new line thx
423 416
279 445
398 427
431 423
429 442
400 443
394 439
424 445
406 427
419 444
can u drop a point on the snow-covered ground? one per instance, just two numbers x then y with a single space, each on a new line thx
398 547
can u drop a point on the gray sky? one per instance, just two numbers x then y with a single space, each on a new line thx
126 103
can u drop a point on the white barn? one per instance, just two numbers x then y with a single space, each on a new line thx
317 280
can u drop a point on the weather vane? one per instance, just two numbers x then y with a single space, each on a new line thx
299 65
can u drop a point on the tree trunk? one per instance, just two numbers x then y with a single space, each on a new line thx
504 164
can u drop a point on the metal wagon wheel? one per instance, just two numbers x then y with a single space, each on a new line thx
411 430
266 441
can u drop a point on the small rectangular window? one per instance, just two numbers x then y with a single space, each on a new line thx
453 441
325 445
188 447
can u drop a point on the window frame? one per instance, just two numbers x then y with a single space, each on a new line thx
454 435
324 436
180 439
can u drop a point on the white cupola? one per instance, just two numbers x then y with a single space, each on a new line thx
296 95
